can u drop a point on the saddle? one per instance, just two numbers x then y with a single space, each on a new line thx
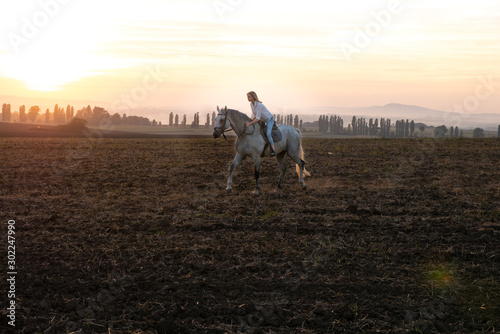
275 132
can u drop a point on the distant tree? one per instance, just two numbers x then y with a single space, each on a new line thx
401 128
354 125
22 114
382 127
194 124
452 133
59 115
47 116
98 114
296 121
69 113
33 113
422 129
184 120
116 119
85 113
56 113
213 118
207 123
412 127
6 113
196 120
478 133
440 131
136 120
498 132
176 120
171 119
154 123
336 124
75 125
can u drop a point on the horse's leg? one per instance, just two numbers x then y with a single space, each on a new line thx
301 163
237 159
256 160
281 164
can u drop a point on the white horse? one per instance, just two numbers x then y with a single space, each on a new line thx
250 142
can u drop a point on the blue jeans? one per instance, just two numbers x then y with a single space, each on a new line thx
269 125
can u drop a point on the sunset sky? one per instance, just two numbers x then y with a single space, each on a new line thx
294 54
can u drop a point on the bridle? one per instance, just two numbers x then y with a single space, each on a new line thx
231 128
221 128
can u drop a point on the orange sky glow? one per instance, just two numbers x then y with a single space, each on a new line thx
294 54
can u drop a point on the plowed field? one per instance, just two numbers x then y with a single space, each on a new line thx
139 236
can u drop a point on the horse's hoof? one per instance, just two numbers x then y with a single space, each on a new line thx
255 193
304 187
229 190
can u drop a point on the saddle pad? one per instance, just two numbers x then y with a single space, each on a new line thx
275 132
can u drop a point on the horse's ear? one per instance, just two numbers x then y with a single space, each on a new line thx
218 110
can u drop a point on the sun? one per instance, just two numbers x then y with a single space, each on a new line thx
65 49
48 72
48 64
42 73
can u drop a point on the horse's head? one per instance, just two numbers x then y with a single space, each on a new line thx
222 123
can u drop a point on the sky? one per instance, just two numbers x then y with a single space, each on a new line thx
295 54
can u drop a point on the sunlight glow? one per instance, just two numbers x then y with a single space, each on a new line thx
418 53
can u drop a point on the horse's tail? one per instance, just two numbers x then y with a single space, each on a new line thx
301 156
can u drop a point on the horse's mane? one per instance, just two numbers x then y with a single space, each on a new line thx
239 115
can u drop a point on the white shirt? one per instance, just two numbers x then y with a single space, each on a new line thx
260 112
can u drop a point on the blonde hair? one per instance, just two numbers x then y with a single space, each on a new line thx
254 95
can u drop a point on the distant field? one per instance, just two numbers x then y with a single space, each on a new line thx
137 235
428 133
165 130
43 130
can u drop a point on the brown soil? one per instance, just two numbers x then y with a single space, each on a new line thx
139 236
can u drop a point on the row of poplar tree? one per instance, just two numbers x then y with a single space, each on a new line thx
173 120
93 116
359 126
